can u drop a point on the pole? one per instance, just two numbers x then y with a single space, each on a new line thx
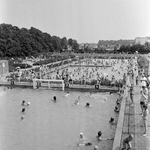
40 72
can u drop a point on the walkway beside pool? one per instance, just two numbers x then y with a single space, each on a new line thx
140 142
130 121
82 88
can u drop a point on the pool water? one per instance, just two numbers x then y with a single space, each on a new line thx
54 126
76 75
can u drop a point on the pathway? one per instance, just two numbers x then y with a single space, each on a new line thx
133 123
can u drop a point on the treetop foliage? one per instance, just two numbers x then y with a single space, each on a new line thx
15 42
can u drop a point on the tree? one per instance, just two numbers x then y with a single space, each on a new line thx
56 42
64 43
75 45
70 42
26 42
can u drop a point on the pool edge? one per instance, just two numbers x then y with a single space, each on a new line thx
118 133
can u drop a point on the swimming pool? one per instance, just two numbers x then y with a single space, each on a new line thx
86 71
54 126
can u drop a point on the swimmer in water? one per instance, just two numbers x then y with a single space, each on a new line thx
23 102
111 121
67 94
78 97
88 105
95 147
76 102
23 110
22 117
99 137
85 144
105 99
28 103
83 140
54 99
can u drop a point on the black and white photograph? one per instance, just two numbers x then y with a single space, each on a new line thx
74 74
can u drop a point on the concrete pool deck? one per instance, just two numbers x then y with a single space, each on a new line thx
130 121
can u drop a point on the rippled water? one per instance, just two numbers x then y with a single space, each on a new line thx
53 126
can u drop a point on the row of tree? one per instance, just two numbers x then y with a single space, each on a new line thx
142 49
16 42
131 49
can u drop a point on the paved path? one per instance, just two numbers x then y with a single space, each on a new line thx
133 123
141 142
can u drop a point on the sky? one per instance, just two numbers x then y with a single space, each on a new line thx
87 21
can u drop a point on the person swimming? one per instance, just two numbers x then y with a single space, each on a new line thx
23 110
76 102
28 103
87 105
105 99
99 134
117 109
22 117
85 144
54 98
83 140
67 94
100 138
23 102
111 121
95 147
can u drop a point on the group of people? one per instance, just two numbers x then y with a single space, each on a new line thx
77 74
119 100
136 76
84 142
87 74
24 104
144 101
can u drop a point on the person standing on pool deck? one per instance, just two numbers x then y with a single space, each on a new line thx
144 98
131 94
145 119
143 81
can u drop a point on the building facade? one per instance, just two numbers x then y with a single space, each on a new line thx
142 40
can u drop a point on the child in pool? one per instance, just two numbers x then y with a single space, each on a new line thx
84 141
100 138
67 94
87 105
54 99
